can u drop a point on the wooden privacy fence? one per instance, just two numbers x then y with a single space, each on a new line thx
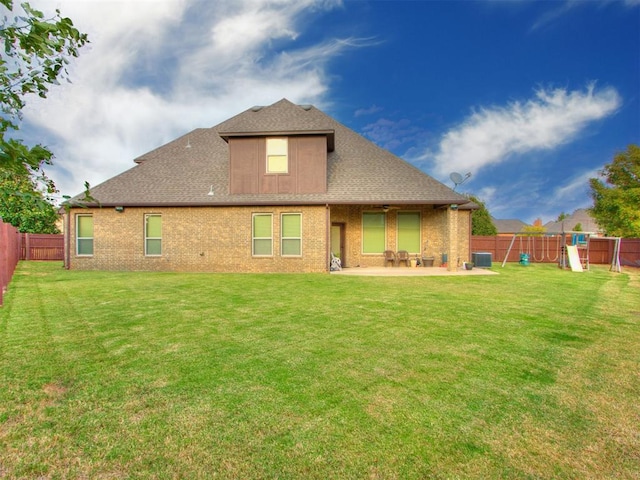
547 249
42 247
9 255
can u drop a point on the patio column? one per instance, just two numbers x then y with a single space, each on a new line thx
452 238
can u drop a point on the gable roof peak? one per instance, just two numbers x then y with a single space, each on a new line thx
282 117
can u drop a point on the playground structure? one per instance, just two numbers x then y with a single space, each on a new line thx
570 249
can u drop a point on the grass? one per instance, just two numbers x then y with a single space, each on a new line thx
532 373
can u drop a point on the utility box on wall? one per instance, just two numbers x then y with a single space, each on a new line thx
481 259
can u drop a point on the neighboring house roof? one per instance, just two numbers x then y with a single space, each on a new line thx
509 225
580 216
182 172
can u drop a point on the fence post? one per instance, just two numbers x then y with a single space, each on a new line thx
4 260
27 247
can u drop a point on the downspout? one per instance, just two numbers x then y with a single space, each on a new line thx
67 234
469 251
327 230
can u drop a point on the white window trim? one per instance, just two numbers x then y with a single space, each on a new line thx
254 238
78 237
280 172
146 216
282 237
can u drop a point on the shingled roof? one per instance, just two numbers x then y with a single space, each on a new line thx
511 225
182 172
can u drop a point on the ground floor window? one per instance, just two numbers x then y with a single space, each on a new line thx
291 235
84 235
373 232
409 231
262 235
153 235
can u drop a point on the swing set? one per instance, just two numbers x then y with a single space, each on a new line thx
537 246
574 255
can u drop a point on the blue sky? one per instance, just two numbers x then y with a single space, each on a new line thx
530 97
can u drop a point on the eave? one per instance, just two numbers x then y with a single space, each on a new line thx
330 134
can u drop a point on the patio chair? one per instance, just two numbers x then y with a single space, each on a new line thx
389 256
403 256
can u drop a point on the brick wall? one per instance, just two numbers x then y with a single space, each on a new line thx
198 239
218 239
434 233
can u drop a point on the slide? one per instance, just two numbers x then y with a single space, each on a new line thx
574 259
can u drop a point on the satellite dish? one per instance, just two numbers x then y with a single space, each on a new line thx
457 179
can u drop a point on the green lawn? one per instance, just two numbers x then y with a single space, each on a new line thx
533 373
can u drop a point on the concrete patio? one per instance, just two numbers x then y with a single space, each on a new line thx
411 271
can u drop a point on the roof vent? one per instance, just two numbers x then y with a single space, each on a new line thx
306 107
256 108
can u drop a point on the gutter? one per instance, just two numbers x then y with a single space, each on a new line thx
240 203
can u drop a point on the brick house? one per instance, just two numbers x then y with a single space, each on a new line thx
273 189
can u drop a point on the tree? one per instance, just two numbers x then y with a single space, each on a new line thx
27 208
481 223
616 201
537 229
36 52
562 216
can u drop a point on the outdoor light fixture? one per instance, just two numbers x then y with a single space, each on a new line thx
454 206
119 209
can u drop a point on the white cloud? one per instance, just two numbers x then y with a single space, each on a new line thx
494 135
391 134
574 187
367 111
157 69
559 9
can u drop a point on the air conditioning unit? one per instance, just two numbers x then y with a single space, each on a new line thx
481 259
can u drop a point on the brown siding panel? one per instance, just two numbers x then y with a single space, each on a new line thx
243 165
307 166
286 184
269 184
311 153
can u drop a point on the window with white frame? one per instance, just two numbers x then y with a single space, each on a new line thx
373 232
291 234
409 231
153 235
262 235
84 235
277 155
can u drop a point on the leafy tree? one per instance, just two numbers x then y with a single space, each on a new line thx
26 207
36 52
577 227
616 201
562 216
481 223
537 229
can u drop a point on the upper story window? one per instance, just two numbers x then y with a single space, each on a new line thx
277 155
